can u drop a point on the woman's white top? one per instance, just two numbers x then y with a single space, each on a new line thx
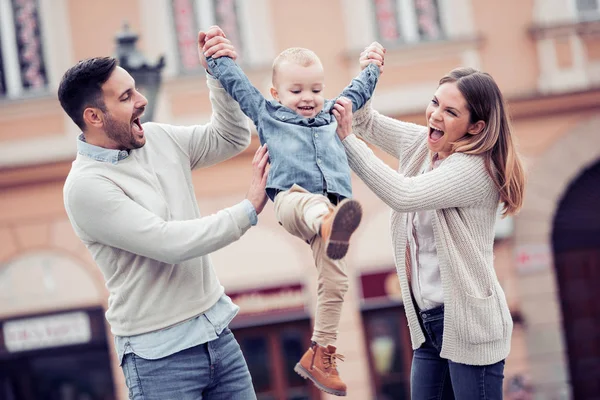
426 282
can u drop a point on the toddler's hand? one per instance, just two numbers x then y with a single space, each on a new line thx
372 54
214 43
342 111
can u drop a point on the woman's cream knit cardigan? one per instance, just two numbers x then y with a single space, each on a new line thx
477 322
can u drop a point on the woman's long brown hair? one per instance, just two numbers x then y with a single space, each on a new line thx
486 103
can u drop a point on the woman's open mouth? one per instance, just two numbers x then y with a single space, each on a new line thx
435 134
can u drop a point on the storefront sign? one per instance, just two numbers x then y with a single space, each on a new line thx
44 332
271 300
533 257
381 285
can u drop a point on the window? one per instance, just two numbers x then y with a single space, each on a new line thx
271 352
190 16
22 66
390 353
407 21
588 9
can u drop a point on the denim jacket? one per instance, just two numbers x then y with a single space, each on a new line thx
302 151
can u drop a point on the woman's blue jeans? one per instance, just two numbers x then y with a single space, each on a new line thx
436 378
215 370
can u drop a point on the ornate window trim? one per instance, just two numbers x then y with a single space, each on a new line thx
190 16
23 67
587 10
400 22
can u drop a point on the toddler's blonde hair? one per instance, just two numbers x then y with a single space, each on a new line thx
297 55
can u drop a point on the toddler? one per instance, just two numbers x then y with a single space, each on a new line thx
309 181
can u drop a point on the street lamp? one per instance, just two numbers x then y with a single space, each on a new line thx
147 77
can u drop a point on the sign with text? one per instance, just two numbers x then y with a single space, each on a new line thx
533 257
381 285
270 300
45 332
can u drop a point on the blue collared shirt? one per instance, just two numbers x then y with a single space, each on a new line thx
193 332
302 151
100 153
162 343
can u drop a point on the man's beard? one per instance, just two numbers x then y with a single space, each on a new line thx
120 133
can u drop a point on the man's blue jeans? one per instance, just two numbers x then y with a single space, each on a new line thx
436 378
215 370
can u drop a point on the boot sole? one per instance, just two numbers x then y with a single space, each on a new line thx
300 370
345 222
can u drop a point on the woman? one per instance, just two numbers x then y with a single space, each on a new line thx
444 198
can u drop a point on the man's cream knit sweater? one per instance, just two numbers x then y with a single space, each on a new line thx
140 220
477 322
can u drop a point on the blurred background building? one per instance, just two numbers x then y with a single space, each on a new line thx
545 56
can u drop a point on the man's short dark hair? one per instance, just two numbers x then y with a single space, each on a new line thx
81 86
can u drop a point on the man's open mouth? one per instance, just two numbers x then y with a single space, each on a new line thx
136 124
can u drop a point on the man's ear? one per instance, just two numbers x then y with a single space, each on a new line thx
93 117
476 128
274 93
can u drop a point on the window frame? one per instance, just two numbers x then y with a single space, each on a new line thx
582 15
271 332
204 14
10 58
406 18
403 336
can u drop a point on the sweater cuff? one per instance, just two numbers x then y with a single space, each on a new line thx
362 114
212 82
241 216
251 212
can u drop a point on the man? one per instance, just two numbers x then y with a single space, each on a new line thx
130 198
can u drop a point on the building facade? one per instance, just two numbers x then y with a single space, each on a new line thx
544 55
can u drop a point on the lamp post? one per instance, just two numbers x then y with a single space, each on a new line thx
147 76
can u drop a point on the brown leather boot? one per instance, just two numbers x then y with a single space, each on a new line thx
338 226
319 365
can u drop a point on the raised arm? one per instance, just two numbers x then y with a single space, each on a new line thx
238 86
460 181
362 87
391 135
104 214
227 134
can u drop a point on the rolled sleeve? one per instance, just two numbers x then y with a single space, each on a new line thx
251 212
